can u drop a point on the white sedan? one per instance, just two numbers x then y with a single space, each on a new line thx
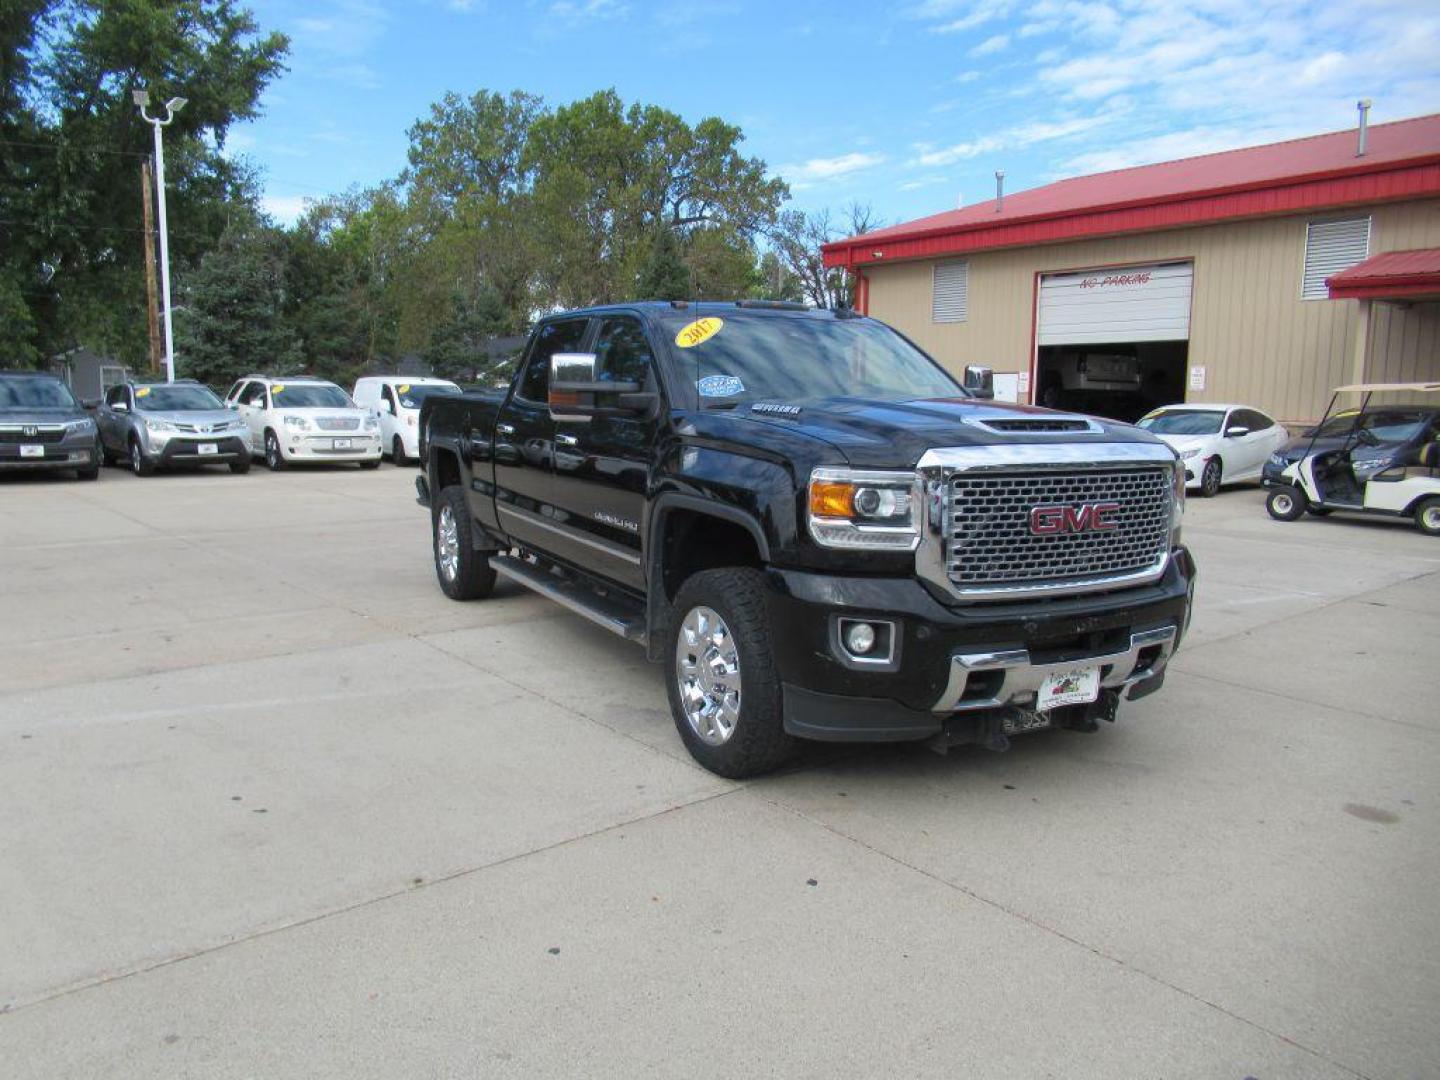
1218 443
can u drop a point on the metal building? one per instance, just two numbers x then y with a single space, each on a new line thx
1265 275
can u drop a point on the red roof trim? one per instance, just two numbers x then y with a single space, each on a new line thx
1388 289
1391 274
1381 182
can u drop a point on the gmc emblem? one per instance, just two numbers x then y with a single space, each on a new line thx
1087 517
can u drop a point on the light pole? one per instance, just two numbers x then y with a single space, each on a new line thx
173 106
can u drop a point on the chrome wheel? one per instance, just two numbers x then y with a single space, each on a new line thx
1283 503
707 669
447 544
137 459
1430 518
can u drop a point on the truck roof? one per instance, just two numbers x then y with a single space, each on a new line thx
748 307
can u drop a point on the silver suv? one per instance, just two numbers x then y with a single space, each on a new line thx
153 425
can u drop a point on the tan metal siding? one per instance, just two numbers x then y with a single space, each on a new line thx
1259 342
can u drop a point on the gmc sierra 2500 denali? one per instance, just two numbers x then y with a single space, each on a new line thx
817 529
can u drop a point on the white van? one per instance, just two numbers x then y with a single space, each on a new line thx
394 400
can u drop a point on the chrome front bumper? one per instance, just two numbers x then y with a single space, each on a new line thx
992 680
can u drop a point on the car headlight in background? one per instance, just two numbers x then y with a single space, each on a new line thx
1186 455
160 427
1278 460
864 509
81 426
298 423
372 424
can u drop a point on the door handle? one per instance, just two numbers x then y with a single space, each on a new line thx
505 429
567 440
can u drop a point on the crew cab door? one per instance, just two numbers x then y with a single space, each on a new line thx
524 437
251 407
113 422
602 465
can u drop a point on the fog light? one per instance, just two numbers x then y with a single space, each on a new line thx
860 638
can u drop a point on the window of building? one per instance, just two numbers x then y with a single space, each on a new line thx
110 376
1332 246
948 301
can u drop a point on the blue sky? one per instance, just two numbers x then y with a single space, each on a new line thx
907 106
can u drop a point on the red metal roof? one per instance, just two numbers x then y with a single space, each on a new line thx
1402 160
1392 275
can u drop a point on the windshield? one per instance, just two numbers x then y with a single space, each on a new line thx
1183 422
310 396
1385 426
739 359
412 396
35 394
174 398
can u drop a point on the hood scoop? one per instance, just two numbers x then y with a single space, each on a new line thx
1037 425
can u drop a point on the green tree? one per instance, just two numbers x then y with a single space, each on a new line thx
458 348
70 206
797 239
234 320
664 275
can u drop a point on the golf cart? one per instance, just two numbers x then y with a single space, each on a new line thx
1360 475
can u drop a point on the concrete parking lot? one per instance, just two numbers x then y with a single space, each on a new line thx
275 807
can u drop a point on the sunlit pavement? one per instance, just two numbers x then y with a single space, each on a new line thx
275 807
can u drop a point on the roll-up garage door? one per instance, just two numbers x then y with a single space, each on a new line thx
1131 303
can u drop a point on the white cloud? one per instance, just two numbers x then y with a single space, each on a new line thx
579 10
991 45
285 209
966 77
1017 138
975 13
817 170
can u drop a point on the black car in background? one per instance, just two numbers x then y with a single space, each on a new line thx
43 427
1384 437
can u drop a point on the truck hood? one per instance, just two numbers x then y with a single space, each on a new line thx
894 434
57 415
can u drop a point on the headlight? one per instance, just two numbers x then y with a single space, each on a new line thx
1278 460
159 426
84 424
1186 455
861 509
299 423
1177 517
236 425
371 424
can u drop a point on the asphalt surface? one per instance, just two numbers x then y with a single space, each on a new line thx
274 807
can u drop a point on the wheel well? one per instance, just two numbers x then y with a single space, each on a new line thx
444 470
692 541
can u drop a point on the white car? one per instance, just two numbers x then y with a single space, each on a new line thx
299 419
1219 444
394 401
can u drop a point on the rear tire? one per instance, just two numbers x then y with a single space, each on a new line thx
725 694
463 572
1427 517
274 457
1286 504
1211 478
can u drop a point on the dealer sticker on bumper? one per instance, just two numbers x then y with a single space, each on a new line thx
1077 687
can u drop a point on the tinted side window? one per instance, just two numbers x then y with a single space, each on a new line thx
1248 418
552 338
115 395
235 390
388 396
621 352
254 394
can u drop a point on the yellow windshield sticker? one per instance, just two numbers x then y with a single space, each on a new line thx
144 391
278 388
699 331
403 389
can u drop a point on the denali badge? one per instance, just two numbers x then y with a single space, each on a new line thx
1087 517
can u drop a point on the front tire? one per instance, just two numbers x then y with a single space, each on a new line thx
1427 517
274 458
1286 504
463 572
397 452
139 463
725 694
1210 478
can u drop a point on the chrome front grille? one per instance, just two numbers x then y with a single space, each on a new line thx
49 434
990 548
337 423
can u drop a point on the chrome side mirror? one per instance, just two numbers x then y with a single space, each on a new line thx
120 406
576 394
980 381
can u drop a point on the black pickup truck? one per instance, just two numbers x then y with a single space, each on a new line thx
820 532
